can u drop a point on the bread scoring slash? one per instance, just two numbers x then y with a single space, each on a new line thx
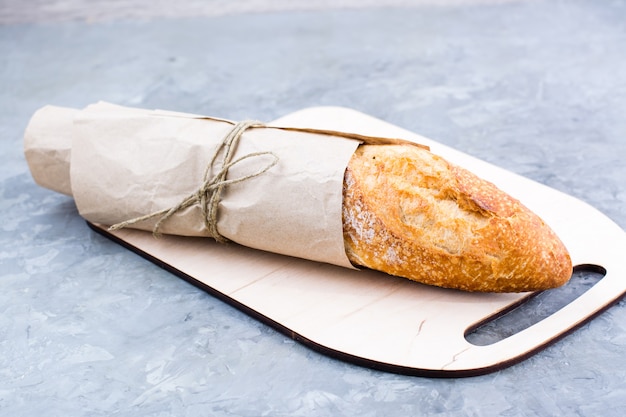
410 213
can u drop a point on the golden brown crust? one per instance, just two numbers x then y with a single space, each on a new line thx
410 213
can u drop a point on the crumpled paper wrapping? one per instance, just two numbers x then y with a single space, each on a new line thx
120 163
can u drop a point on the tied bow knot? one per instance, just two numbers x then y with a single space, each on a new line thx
208 195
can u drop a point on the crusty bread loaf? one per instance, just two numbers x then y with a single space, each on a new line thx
410 213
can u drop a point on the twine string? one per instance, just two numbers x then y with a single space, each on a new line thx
208 195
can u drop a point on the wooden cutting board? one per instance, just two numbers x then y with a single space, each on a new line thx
389 323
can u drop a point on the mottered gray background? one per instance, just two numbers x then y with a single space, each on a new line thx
89 328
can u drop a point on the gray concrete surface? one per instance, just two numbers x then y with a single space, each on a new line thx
17 11
89 329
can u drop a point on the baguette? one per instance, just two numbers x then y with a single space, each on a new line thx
410 213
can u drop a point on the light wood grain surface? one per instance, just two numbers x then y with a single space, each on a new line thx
395 323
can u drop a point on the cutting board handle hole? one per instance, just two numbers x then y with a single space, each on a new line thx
534 308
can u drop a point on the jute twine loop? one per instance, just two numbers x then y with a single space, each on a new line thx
209 193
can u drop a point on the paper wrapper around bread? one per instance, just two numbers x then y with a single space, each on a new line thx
119 163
